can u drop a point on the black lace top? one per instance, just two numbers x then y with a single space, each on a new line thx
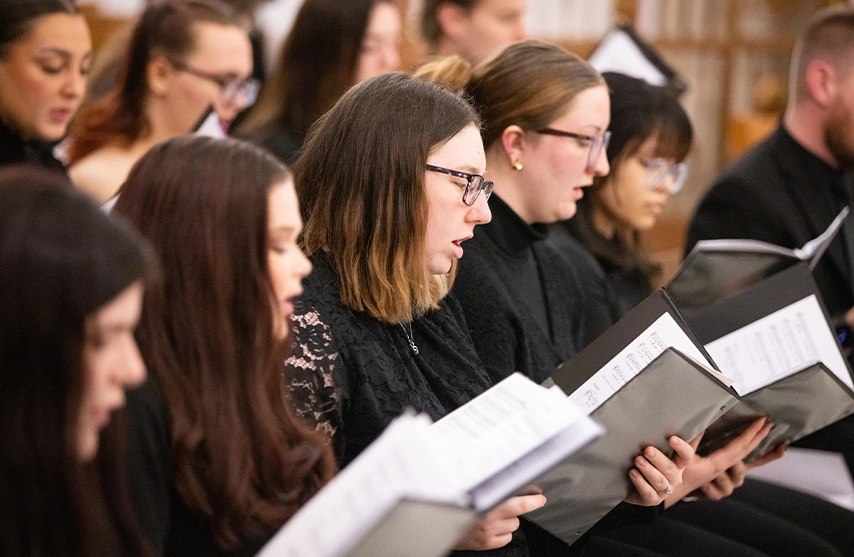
352 374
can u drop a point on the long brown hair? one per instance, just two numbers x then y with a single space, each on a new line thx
61 259
360 180
239 454
316 65
165 29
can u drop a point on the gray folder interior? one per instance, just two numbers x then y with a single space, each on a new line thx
416 529
797 405
673 395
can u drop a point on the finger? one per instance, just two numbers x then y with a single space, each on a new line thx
738 448
646 494
711 491
724 484
684 452
737 473
660 463
516 506
769 456
657 475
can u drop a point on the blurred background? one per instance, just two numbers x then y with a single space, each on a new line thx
732 54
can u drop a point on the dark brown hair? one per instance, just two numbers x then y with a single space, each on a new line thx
239 454
316 65
20 15
165 28
61 259
639 112
360 180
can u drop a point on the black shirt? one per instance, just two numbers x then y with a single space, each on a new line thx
14 150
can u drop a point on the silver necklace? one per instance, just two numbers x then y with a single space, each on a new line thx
409 337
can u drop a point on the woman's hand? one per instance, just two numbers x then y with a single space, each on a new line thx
733 477
655 475
710 473
496 528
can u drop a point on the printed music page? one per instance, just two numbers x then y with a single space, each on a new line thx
779 345
661 335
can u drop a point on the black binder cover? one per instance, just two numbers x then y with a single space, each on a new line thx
673 395
797 404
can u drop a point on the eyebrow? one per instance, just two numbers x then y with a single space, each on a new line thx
60 52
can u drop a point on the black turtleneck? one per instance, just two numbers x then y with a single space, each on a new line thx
521 299
14 150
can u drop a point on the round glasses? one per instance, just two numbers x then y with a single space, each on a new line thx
596 143
475 183
658 171
232 90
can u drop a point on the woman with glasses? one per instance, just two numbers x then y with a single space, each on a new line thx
71 286
391 183
331 46
184 57
651 136
221 461
546 120
45 55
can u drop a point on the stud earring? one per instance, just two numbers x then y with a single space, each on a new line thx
517 165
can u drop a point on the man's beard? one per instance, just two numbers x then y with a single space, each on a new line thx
839 135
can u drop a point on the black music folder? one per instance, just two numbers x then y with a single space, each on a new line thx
775 341
419 486
718 269
644 379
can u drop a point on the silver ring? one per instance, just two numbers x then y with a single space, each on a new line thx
666 491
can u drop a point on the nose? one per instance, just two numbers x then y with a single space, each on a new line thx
479 213
602 167
134 367
75 85
303 266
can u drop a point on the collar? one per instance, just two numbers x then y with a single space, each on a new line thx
507 229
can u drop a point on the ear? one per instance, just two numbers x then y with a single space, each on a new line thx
821 82
159 73
452 20
512 140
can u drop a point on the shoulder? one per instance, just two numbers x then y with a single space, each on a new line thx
101 173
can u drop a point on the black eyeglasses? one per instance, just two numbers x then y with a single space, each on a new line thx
231 89
597 143
474 183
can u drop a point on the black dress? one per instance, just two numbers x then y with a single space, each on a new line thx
353 374
172 527
14 150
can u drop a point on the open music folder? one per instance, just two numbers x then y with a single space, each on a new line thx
717 269
644 379
775 341
419 486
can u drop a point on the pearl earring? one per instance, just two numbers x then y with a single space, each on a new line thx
517 165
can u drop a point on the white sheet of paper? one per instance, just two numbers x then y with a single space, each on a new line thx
777 346
661 335
501 425
398 464
820 473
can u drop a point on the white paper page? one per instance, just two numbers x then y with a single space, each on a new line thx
661 335
401 463
618 53
820 473
778 345
501 425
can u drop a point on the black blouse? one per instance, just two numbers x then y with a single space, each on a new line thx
14 150
353 374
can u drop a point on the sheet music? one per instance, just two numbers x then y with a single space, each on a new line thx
661 335
778 345
398 464
501 425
